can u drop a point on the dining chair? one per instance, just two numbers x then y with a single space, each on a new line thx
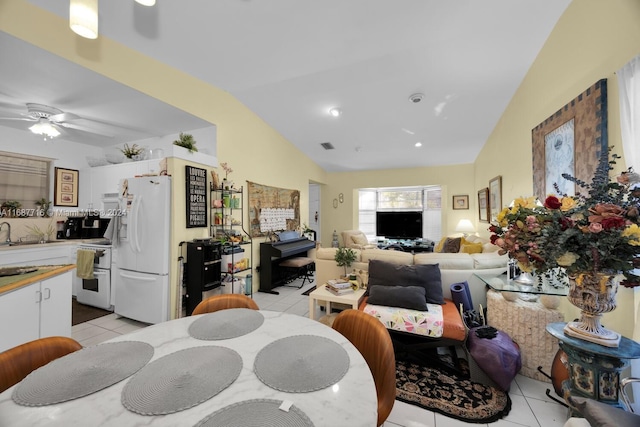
372 340
224 301
18 362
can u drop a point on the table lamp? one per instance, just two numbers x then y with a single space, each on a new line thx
465 227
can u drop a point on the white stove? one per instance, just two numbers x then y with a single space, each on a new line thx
97 291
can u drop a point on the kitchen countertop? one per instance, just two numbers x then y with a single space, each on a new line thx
54 243
9 283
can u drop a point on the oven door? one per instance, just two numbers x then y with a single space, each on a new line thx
97 291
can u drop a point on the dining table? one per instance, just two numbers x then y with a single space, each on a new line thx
234 367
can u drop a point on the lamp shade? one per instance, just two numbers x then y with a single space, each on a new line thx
83 18
465 226
43 127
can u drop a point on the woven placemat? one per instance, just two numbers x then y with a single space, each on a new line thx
226 324
82 372
257 412
301 363
181 380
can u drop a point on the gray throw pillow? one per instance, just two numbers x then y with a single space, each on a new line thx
451 245
424 275
411 297
602 415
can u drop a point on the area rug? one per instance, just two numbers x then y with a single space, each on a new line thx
440 390
81 313
308 291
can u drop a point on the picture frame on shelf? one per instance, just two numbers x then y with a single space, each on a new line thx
65 187
460 202
495 197
483 205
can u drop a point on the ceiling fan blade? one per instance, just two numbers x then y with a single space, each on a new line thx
83 129
64 117
19 118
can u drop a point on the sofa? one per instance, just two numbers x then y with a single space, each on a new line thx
454 267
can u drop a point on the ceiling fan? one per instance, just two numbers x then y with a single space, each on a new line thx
49 121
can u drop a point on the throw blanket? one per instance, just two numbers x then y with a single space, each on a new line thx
427 323
84 264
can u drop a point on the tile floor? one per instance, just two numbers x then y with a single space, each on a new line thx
530 405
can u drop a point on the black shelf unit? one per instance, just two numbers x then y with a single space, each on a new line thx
227 218
202 271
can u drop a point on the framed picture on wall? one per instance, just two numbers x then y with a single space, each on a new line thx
495 197
65 187
461 202
483 205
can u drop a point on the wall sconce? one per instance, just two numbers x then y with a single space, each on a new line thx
465 227
83 18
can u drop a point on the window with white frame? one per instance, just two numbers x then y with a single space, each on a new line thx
424 199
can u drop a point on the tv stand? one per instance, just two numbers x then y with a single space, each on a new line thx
407 245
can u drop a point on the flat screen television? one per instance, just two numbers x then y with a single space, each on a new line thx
399 225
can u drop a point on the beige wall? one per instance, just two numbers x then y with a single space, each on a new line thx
591 41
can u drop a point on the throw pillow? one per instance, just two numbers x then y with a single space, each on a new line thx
425 275
411 297
471 248
359 239
603 415
438 247
451 245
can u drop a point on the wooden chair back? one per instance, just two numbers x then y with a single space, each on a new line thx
373 341
18 362
224 301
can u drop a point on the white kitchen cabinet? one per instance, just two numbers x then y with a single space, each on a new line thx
44 254
42 309
94 182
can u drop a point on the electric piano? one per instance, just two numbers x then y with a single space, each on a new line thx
272 254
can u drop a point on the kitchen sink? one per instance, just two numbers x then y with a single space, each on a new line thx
13 271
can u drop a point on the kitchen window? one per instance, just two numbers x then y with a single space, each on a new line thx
24 179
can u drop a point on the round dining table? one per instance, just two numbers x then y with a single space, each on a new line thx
255 366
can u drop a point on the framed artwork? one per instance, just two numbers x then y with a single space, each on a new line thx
570 141
196 196
483 205
461 202
65 187
495 197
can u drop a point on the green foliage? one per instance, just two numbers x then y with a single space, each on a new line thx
186 140
344 258
131 151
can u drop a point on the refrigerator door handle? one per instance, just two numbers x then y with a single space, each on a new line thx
136 233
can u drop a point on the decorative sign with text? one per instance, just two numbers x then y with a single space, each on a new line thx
196 181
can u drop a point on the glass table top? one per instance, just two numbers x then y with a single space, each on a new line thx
502 284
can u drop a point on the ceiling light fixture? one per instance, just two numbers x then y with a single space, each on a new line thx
335 112
43 127
418 144
416 97
83 18
146 2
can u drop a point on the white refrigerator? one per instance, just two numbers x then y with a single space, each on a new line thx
142 273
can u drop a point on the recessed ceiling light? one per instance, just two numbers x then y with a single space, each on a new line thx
418 144
416 97
335 112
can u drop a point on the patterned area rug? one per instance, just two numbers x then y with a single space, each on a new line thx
453 395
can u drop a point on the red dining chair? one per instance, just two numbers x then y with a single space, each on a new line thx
18 362
373 341
224 301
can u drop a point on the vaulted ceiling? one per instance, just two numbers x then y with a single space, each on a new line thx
290 61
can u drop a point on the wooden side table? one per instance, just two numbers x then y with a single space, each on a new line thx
321 294
594 370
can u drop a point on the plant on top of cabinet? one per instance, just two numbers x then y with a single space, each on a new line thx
9 208
186 140
131 152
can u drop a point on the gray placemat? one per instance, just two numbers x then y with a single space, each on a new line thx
82 372
301 363
256 413
181 380
225 324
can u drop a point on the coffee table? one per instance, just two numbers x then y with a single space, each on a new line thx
321 294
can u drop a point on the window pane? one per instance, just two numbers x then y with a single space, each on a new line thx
398 199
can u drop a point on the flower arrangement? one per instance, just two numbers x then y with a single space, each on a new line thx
597 231
227 169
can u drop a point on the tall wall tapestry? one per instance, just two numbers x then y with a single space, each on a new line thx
570 141
272 209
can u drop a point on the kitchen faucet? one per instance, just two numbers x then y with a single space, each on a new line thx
8 231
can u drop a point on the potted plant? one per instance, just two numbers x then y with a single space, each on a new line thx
9 208
186 140
131 152
44 207
344 258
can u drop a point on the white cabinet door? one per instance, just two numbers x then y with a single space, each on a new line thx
19 316
85 177
55 307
